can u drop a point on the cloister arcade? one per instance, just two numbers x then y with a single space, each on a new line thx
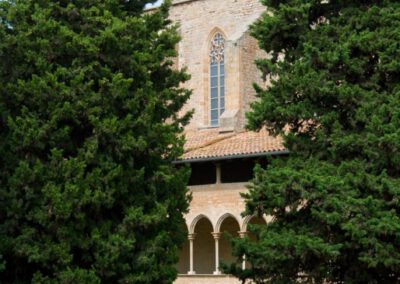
207 244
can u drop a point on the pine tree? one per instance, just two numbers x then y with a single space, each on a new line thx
335 99
90 121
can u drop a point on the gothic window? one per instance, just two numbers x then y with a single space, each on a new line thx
217 78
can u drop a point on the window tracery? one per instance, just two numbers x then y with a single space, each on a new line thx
217 78
217 49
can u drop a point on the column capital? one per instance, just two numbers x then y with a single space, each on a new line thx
242 234
191 236
216 235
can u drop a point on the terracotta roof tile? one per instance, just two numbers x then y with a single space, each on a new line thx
211 144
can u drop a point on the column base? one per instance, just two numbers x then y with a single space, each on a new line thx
191 272
217 272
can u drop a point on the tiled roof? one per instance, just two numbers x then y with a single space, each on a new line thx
209 143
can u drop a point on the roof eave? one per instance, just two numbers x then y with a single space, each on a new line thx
231 157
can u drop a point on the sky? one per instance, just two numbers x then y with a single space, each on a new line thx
155 4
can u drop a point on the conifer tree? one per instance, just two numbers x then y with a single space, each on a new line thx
90 121
335 99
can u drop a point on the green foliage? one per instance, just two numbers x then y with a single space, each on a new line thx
89 126
335 99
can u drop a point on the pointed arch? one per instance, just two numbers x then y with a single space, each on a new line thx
203 245
246 221
222 219
248 218
197 219
212 33
227 225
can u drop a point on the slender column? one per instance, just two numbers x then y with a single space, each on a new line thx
191 240
218 173
216 236
242 235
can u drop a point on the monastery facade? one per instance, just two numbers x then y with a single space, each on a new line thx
219 53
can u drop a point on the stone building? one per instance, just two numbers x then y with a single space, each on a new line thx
219 53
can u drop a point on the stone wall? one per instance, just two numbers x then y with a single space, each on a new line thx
206 279
199 20
214 209
216 202
249 51
217 207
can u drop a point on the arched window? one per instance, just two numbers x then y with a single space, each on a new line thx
217 78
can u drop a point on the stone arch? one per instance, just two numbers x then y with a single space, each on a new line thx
248 218
228 227
197 219
255 220
221 220
203 245
245 222
210 36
